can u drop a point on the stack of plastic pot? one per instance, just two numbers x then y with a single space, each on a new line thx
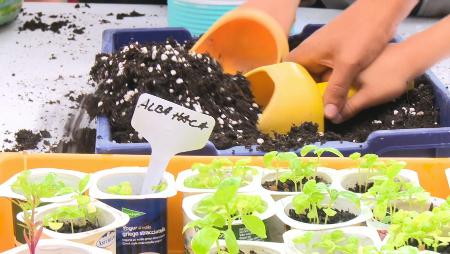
198 15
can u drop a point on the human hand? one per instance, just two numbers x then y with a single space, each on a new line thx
387 77
348 44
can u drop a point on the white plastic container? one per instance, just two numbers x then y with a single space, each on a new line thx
54 246
328 174
382 228
187 191
367 236
69 177
189 204
258 247
363 213
103 237
148 213
347 178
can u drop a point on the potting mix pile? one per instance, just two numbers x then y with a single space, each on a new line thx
168 70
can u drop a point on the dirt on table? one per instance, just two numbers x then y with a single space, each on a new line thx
128 15
27 140
64 22
196 81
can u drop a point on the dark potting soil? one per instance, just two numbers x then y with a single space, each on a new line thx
198 82
440 249
341 216
131 14
242 252
36 23
289 185
67 229
27 140
361 188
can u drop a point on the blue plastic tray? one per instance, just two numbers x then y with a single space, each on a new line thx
422 142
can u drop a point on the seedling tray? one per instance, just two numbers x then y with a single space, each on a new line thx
431 175
420 142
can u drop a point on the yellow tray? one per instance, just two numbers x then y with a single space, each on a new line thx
431 175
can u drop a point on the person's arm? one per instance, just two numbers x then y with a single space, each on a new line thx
284 11
348 44
386 78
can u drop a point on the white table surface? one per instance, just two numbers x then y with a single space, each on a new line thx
37 78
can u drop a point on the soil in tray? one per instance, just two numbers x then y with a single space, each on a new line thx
441 249
288 186
67 229
357 188
197 82
341 216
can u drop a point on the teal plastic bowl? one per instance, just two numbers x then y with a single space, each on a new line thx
198 15
9 9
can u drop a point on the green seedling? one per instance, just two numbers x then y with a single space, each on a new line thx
311 200
219 211
210 175
33 192
276 160
388 190
429 229
78 214
368 163
319 152
123 188
298 171
333 242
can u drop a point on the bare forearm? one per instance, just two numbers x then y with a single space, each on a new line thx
426 48
385 15
284 11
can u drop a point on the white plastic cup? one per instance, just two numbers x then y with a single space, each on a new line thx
252 186
367 237
103 237
70 178
363 213
54 246
146 232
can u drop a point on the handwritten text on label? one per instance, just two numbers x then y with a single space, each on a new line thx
177 116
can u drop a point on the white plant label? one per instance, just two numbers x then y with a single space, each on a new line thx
170 129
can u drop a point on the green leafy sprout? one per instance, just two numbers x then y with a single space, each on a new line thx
210 175
429 228
389 189
312 199
78 214
366 163
319 151
33 192
219 212
333 242
123 188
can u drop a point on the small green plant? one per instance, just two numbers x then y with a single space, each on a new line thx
276 160
123 188
312 199
210 175
220 210
388 190
79 214
333 242
298 171
429 229
368 163
33 192
319 151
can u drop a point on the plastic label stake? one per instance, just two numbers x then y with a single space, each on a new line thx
170 129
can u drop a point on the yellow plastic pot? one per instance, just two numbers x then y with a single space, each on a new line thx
288 96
